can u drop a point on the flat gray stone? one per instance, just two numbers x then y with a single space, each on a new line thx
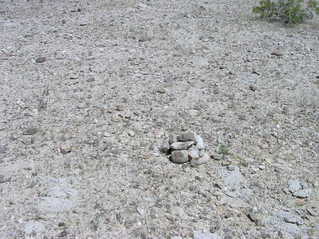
181 145
187 136
179 156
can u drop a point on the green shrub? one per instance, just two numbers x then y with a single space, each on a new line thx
287 11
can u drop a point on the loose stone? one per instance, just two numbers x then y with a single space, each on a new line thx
181 145
179 156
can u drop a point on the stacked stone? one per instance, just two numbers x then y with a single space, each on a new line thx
187 147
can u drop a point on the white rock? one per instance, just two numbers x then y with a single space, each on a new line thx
199 142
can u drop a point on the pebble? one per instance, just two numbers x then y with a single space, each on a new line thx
181 145
65 149
161 91
186 136
30 131
179 156
277 53
131 133
202 160
40 59
199 142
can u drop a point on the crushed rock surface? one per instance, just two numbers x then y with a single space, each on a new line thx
89 89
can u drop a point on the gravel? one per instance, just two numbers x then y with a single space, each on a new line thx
91 90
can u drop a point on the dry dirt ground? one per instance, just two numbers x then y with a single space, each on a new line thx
90 89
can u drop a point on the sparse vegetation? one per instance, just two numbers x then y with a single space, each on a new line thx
290 12
223 150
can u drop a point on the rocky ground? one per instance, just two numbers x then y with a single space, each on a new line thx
91 90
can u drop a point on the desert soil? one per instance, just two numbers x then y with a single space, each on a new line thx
90 90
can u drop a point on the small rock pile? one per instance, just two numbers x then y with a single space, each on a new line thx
186 147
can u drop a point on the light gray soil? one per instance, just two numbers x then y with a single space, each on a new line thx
90 89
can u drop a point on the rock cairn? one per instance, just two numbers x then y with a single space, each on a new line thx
186 147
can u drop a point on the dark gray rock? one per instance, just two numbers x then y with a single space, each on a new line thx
30 131
40 59
182 145
179 156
